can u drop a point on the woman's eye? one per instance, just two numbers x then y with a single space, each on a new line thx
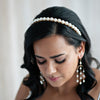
59 62
39 62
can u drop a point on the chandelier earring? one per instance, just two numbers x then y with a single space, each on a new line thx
80 73
41 79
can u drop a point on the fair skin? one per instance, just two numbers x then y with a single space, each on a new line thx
63 84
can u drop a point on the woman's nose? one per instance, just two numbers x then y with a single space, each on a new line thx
50 69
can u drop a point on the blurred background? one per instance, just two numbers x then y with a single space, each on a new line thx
15 18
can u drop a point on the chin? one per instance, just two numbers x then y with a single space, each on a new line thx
56 84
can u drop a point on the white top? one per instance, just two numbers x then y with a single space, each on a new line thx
31 93
99 97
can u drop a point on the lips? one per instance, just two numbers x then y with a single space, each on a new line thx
53 78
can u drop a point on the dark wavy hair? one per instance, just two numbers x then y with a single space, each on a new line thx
44 29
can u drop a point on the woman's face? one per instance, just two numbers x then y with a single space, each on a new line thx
56 59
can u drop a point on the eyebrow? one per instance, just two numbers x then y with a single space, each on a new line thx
52 57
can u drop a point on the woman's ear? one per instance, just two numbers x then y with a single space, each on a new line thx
81 50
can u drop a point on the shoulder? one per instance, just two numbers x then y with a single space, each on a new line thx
97 76
94 92
26 77
23 91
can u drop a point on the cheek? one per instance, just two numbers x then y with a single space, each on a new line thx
41 68
69 67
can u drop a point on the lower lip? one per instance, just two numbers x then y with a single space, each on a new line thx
54 79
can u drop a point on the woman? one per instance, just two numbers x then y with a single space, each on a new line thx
58 58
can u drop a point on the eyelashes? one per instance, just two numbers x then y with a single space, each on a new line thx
59 62
41 62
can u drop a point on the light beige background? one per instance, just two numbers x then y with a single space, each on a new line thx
16 16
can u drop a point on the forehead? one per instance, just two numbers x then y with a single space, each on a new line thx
51 45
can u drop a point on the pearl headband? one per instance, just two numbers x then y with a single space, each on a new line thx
59 21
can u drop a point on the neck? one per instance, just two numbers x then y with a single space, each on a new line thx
68 88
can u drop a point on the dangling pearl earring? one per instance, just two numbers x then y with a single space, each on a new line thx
41 79
80 74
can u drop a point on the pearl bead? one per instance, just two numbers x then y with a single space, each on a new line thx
66 23
43 19
40 18
77 70
73 26
80 73
83 71
63 22
59 20
48 18
80 78
55 20
77 76
80 83
84 76
69 24
80 68
41 82
83 81
51 18
77 81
